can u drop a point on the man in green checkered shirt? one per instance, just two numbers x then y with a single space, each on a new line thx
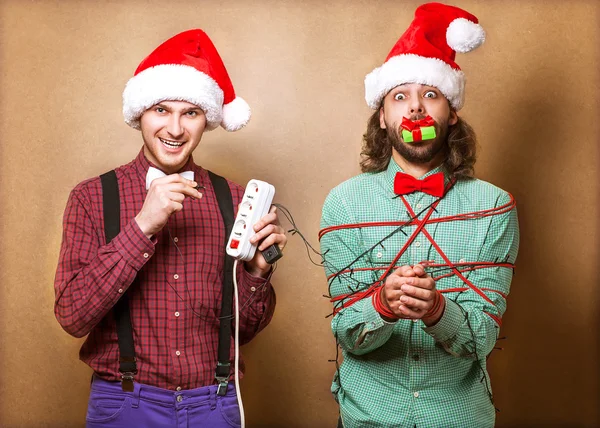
419 255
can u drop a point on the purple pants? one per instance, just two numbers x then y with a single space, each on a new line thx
148 406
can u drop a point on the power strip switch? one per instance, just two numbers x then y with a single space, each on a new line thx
255 204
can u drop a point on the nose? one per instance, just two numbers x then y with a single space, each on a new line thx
174 126
416 107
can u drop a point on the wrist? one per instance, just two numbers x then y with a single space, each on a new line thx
256 271
433 316
146 230
383 308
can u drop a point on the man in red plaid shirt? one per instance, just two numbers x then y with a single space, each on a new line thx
171 242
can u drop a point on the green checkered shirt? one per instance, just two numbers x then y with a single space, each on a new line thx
405 374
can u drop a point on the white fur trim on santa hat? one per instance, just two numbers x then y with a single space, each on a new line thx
172 82
463 35
410 68
236 114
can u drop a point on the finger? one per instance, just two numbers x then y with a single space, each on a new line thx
185 189
269 218
415 303
407 312
419 270
427 282
393 296
405 271
395 282
419 293
273 238
176 197
277 236
176 206
263 233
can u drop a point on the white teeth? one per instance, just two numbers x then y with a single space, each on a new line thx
171 143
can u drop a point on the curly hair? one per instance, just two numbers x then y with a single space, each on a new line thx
461 148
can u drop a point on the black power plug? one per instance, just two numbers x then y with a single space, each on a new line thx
272 254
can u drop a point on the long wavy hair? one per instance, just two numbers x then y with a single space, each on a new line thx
461 148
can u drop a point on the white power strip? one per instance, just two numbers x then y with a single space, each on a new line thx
256 202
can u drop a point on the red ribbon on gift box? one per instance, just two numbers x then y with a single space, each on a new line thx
411 125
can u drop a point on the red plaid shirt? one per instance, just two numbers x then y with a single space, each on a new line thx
176 302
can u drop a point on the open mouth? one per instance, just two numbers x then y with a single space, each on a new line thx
172 144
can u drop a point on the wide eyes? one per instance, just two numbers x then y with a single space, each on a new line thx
428 94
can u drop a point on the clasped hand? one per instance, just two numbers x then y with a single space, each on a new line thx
410 293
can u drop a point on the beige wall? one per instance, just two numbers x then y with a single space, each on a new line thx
532 95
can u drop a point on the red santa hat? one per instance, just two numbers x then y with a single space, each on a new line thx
187 67
425 54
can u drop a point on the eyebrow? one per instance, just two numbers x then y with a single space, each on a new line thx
185 110
191 109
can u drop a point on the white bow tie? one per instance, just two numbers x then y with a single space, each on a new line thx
154 173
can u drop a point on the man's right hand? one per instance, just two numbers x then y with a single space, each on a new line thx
391 291
165 197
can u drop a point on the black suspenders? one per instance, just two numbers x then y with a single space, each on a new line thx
127 360
226 207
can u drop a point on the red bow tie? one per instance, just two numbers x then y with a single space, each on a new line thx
432 185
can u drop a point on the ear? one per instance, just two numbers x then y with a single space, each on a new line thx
453 119
381 118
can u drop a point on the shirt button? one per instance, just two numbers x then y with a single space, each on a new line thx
379 255
177 353
176 276
179 398
253 289
146 255
176 239
419 206
120 290
414 320
417 244
416 395
461 261
416 357
176 314
178 388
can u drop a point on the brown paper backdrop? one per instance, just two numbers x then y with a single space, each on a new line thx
531 95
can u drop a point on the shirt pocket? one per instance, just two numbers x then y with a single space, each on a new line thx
383 243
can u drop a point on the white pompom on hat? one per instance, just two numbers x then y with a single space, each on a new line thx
187 67
425 54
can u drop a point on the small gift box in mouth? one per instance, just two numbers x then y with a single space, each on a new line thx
418 130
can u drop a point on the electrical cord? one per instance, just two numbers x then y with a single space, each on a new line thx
237 345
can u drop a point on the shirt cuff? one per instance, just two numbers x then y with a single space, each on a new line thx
133 245
448 325
251 283
373 319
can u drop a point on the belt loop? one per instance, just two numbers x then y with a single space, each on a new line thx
135 399
213 397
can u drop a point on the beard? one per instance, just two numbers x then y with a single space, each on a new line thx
422 151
